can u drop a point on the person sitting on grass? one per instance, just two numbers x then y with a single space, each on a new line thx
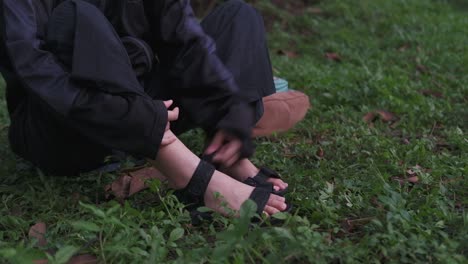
88 77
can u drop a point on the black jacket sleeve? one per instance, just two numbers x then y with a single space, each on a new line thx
189 58
130 122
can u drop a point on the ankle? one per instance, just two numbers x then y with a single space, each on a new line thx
242 170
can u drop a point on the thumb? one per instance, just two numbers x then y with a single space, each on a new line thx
215 144
168 103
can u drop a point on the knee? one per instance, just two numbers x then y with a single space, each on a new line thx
61 27
243 13
61 31
242 8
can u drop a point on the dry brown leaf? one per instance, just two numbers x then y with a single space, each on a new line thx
428 92
320 153
288 53
333 56
404 47
133 182
376 203
421 68
369 117
386 116
38 232
120 187
140 177
402 180
83 259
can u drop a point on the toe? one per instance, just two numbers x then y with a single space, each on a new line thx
278 198
270 210
277 203
278 184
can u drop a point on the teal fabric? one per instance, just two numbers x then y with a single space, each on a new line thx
281 85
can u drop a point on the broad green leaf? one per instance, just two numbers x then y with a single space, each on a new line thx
86 226
176 234
248 210
93 209
204 209
64 254
280 216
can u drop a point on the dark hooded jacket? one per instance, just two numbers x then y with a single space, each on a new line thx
127 120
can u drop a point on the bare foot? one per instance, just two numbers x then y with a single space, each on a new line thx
178 163
244 169
235 193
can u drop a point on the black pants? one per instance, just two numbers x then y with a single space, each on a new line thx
44 138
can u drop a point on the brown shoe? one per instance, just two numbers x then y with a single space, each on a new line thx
282 112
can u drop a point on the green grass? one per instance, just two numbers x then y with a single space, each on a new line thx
348 207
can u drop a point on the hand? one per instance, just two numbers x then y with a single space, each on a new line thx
172 115
227 148
168 138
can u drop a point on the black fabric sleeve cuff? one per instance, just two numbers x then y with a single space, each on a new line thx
239 122
159 128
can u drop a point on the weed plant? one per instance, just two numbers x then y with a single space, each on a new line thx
363 192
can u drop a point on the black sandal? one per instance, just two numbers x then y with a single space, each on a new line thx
193 194
261 180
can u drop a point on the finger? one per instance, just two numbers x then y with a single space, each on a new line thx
173 115
228 152
231 161
168 103
215 144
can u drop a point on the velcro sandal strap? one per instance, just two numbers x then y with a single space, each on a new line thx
269 173
260 196
195 190
200 179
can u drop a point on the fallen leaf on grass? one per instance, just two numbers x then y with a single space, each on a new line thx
369 117
404 47
83 259
120 187
411 175
320 153
350 225
333 56
375 202
403 180
421 68
428 92
288 53
38 232
385 116
131 183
